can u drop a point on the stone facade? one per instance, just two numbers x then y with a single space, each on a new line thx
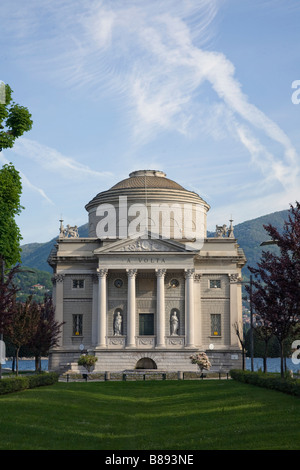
135 300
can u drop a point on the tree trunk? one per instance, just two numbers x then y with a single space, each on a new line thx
265 356
17 360
281 360
38 364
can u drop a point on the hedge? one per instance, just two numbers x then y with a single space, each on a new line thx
267 380
15 384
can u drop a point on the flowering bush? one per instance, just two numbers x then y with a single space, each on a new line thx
201 360
87 361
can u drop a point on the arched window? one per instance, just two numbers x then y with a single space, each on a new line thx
146 363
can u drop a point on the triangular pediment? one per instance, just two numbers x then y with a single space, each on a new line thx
141 244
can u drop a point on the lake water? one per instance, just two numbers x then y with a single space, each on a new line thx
26 364
273 364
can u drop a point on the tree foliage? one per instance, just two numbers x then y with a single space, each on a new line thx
10 206
14 120
276 295
24 325
8 291
47 332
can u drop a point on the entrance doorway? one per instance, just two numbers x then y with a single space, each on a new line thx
146 363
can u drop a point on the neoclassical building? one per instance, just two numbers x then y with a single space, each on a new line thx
147 288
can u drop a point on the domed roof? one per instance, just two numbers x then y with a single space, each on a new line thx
148 179
152 185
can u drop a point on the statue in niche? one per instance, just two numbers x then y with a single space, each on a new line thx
174 323
118 324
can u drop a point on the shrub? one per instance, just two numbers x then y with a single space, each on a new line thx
87 361
269 380
201 360
15 384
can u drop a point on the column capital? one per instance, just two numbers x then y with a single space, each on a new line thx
160 272
57 278
234 278
131 272
189 273
102 272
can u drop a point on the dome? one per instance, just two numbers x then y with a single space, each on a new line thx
147 179
149 188
146 183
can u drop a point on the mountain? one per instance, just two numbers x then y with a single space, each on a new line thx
35 255
249 234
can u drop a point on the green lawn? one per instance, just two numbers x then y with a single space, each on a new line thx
151 415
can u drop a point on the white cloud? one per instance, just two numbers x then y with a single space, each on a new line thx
156 57
27 183
52 160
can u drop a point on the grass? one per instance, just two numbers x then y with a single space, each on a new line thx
151 415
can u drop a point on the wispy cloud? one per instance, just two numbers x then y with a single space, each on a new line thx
27 183
156 57
52 160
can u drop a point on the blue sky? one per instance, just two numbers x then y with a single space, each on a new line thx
200 89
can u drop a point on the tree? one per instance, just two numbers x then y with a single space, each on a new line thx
263 331
276 297
239 332
88 361
202 361
14 120
8 292
10 206
23 326
47 332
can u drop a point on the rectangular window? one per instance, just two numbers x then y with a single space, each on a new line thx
215 324
215 283
78 283
146 324
77 325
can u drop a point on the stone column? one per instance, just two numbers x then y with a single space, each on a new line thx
189 299
95 282
58 284
131 310
235 307
160 308
102 274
